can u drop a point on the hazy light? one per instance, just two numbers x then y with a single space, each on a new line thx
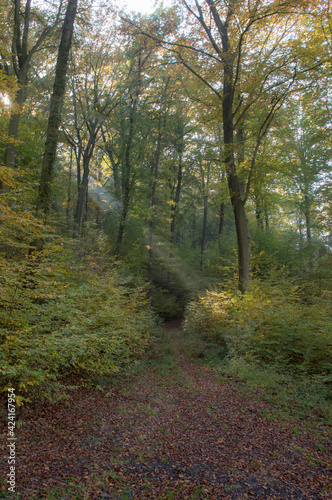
143 6
5 100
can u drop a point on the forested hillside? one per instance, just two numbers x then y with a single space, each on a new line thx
159 167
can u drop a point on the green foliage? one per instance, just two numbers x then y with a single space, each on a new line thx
62 317
270 324
167 304
305 262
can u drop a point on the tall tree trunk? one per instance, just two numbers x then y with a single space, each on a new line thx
267 222
240 216
115 168
193 231
21 66
238 202
123 220
81 200
126 172
44 198
153 199
307 216
300 229
221 223
234 186
15 120
203 241
69 190
258 211
221 214
176 199
82 184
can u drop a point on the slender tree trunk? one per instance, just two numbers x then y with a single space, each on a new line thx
193 232
176 200
122 225
300 229
69 190
126 181
22 54
82 184
14 121
126 167
153 199
221 219
44 198
258 212
116 177
86 207
21 59
81 200
307 216
203 241
266 217
221 215
175 207
221 223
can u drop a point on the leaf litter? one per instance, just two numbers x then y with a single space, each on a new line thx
172 432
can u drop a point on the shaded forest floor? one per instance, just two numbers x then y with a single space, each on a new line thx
171 431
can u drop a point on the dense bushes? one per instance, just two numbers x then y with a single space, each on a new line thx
270 325
61 316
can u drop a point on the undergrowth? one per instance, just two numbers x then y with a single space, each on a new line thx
65 316
271 340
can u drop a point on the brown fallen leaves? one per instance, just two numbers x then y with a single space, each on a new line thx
176 434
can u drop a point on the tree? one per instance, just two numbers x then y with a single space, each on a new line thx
251 43
24 49
162 115
91 104
304 153
59 87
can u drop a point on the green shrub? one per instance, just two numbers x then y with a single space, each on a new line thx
270 324
61 317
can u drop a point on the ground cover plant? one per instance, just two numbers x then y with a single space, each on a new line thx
63 316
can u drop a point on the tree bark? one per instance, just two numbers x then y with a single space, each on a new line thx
69 190
21 67
234 186
176 199
126 178
153 199
203 241
14 122
83 183
81 198
307 215
193 232
258 210
266 217
22 54
47 173
221 223
115 169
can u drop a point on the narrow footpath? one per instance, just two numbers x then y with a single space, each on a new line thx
175 431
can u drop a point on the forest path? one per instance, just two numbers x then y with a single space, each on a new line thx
174 432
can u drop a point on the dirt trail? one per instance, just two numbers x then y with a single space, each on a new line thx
176 432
